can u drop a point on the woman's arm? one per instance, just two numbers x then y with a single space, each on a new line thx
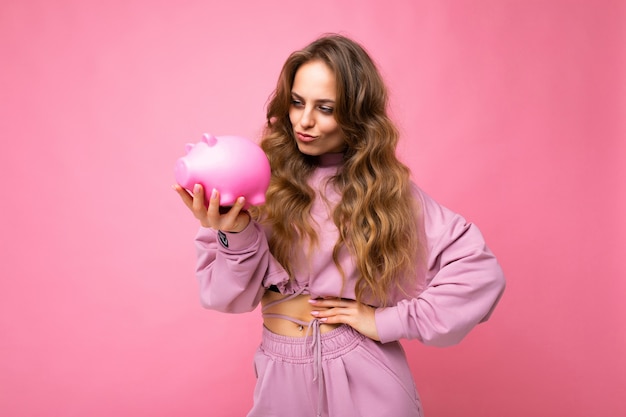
232 253
464 283
231 267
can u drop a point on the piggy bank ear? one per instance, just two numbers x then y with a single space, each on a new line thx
209 139
189 147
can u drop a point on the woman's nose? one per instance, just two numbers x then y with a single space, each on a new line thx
306 119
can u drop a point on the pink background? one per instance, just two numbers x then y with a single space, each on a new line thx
512 113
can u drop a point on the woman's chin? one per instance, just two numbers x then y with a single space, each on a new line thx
308 150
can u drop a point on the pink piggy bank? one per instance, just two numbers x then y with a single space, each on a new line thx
233 165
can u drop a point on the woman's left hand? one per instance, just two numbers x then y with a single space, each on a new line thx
357 315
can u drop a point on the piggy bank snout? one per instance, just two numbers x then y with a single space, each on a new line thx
182 173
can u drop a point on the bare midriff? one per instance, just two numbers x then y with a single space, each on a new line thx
297 308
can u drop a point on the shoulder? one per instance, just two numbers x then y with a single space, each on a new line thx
432 211
440 224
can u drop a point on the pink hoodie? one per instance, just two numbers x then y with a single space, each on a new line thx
463 280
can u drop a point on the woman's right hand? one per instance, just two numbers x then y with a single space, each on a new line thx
233 221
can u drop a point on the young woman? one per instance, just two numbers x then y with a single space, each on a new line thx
347 256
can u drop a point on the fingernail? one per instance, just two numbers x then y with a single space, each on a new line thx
312 301
241 200
196 188
315 313
323 319
213 193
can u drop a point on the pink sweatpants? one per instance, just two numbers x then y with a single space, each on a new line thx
337 374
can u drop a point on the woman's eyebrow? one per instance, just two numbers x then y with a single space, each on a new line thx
320 101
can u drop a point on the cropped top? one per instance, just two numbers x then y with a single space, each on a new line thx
462 280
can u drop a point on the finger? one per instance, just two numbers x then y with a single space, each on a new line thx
337 319
213 211
234 211
333 312
198 196
236 219
198 206
184 195
329 302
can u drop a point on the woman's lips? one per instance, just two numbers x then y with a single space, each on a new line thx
305 137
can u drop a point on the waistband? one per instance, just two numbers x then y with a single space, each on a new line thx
332 344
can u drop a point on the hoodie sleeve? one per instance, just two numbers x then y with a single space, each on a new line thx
231 267
464 282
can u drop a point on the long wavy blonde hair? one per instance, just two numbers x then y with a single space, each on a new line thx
376 216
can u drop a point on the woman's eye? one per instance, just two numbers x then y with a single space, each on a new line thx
326 109
296 103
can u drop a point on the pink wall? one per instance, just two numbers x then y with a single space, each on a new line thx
512 113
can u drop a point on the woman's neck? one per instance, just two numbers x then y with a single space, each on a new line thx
330 159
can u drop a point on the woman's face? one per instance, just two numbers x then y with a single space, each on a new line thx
312 110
